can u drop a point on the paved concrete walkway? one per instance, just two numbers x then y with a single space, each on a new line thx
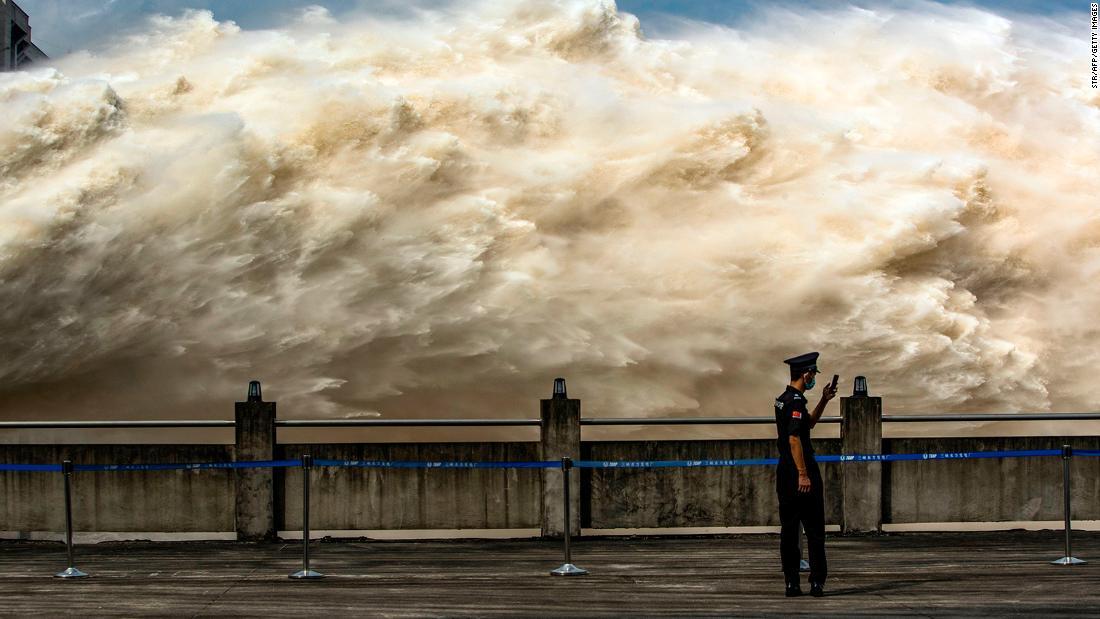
920 575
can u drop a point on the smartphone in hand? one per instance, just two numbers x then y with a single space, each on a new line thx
836 377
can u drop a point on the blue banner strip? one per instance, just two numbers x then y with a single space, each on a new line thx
959 455
1087 452
547 464
962 455
646 464
186 466
55 468
400 464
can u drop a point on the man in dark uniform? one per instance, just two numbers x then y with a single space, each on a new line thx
798 480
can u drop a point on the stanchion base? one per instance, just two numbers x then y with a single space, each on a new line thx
70 572
304 574
803 566
1069 561
568 569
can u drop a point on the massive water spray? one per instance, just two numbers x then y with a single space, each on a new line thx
436 215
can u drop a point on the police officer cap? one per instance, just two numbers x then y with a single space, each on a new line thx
804 362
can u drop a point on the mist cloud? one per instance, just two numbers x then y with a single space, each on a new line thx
437 214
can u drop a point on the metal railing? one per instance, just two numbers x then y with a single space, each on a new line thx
171 423
976 417
286 423
585 421
410 423
980 417
686 421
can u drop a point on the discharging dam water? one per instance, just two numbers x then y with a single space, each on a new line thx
436 214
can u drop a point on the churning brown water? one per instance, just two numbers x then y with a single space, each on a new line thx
435 216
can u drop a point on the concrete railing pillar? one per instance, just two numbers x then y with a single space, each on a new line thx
861 433
255 429
561 438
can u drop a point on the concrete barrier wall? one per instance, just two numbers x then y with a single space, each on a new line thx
177 501
695 497
358 499
363 499
987 490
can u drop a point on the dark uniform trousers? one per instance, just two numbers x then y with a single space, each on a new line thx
807 508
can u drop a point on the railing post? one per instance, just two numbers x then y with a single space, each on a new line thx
561 437
1067 509
71 571
255 440
305 572
861 482
567 568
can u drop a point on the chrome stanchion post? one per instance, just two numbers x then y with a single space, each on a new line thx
71 571
1068 559
305 572
567 568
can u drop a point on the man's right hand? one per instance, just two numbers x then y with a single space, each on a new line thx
803 482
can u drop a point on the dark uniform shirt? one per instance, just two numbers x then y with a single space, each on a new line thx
792 418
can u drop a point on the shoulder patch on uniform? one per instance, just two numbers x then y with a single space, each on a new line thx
796 414
779 404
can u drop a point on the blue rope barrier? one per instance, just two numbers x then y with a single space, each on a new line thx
962 455
547 464
959 455
645 464
53 468
403 464
188 466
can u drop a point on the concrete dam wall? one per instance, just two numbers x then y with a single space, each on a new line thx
258 503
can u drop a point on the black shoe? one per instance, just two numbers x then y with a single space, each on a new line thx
817 590
793 590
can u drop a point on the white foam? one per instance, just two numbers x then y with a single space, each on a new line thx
439 214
